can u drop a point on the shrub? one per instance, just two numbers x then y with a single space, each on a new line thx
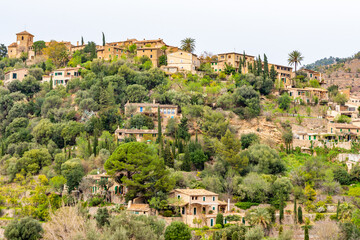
102 217
96 201
329 199
321 207
205 228
333 217
167 213
25 229
319 216
217 226
245 205
177 230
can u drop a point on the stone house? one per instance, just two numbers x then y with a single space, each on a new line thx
139 134
116 191
110 52
308 95
62 76
17 74
312 74
151 109
183 61
199 204
232 59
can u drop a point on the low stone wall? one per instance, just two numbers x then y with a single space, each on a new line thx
307 143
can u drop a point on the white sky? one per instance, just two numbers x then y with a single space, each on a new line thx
317 28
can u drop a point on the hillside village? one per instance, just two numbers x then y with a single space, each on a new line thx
153 137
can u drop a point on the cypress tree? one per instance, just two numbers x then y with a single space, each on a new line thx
266 67
338 210
173 150
254 68
95 142
89 146
196 137
295 211
250 68
51 83
273 73
186 165
181 146
300 217
159 136
306 234
240 64
244 60
82 40
220 219
281 209
168 159
103 38
259 66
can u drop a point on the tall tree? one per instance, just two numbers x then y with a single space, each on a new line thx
188 44
266 67
259 66
295 58
159 137
300 217
82 41
168 158
186 165
273 73
281 217
244 60
295 211
103 39
51 83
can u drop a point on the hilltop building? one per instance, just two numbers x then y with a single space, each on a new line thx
24 43
181 61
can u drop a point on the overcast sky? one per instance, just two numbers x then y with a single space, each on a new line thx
317 28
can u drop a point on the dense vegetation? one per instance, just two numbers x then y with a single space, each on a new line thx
50 139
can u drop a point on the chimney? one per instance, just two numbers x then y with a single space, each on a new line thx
77 43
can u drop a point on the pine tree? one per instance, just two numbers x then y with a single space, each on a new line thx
300 217
82 41
159 136
51 83
103 38
186 165
295 211
168 158
273 73
266 67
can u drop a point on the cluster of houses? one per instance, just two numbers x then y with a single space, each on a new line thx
194 206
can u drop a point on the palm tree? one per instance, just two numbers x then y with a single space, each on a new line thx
188 44
295 58
259 216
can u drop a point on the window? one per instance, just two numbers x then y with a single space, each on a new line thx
314 137
213 199
150 56
141 109
309 137
136 212
340 130
204 199
14 75
211 222
178 196
194 211
213 208
183 210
